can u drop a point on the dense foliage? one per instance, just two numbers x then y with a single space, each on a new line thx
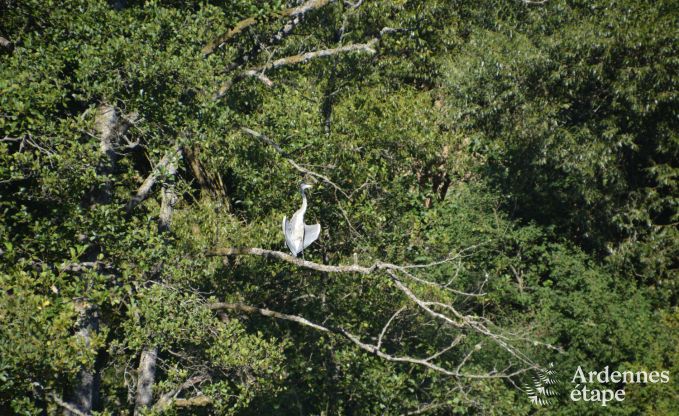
535 143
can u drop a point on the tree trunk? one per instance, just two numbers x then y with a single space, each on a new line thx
84 392
145 379
147 362
109 126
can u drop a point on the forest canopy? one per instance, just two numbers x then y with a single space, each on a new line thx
496 184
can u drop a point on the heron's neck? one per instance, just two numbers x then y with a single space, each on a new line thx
303 201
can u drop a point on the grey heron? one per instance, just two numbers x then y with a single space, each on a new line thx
298 235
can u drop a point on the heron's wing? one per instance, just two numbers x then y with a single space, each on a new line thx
311 233
287 228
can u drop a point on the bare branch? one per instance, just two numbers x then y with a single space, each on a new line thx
166 399
168 163
11 139
467 357
457 320
294 164
67 406
367 47
193 401
452 345
260 76
293 12
425 305
439 285
386 326
426 408
372 349
266 312
297 261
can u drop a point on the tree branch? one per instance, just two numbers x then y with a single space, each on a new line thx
367 47
349 268
67 406
294 12
458 320
149 355
169 163
370 348
297 261
240 307
166 399
386 326
287 157
260 76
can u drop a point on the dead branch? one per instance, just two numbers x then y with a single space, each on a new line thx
258 75
267 312
426 305
12 139
168 164
167 398
193 401
294 12
370 348
273 40
299 262
386 326
367 47
432 308
353 268
302 58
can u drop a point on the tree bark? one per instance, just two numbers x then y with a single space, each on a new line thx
146 372
84 392
145 379
110 125
169 196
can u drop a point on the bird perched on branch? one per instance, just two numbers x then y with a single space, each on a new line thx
298 235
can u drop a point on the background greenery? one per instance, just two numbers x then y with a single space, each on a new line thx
546 134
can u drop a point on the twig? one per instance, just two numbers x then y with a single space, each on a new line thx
287 157
386 326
